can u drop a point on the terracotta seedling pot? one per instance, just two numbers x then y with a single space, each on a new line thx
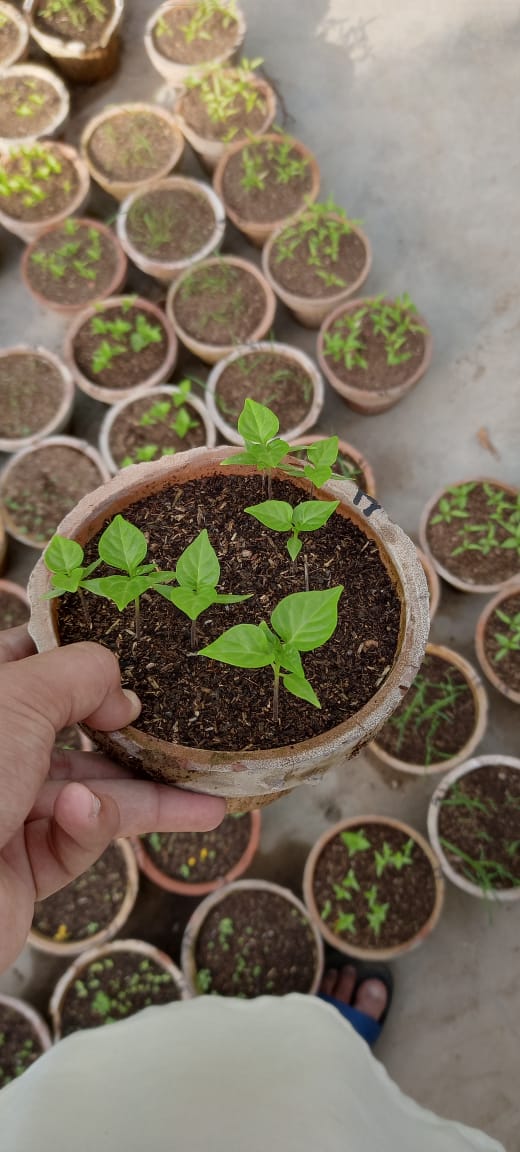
374 400
57 121
175 73
168 270
505 895
228 431
17 592
258 231
183 887
212 353
63 411
434 584
450 577
29 230
73 972
20 48
37 1023
492 670
209 151
190 401
339 942
194 925
254 778
70 307
117 187
368 481
82 63
73 947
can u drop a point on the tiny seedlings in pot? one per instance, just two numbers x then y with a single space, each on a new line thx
196 27
74 11
67 257
280 156
395 321
503 511
29 173
228 92
197 573
122 336
318 230
507 641
158 413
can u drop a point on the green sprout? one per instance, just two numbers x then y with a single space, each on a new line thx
346 922
259 155
318 232
426 718
355 841
263 448
227 92
123 546
225 932
197 574
196 28
487 875
203 980
67 257
398 860
348 885
158 414
77 11
122 337
282 517
395 322
377 913
28 172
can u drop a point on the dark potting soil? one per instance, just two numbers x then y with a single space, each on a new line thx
78 22
480 816
255 943
128 436
44 485
74 262
126 368
170 224
9 37
496 562
216 35
54 192
296 274
508 667
114 987
131 146
343 881
221 304
186 699
68 740
270 378
31 391
12 611
237 123
28 105
379 374
277 199
88 904
200 857
19 1044
423 729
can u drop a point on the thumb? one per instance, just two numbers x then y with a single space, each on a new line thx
83 824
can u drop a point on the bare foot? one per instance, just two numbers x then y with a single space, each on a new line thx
371 996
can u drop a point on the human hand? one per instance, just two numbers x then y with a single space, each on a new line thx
59 811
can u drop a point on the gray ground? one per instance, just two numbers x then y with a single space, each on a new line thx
410 109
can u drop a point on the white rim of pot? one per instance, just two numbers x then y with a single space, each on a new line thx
63 412
32 1016
72 973
348 949
344 449
18 19
39 72
194 925
56 46
275 348
480 702
46 944
115 285
210 150
168 268
114 395
114 185
434 583
300 303
148 393
502 896
450 578
216 352
29 230
175 72
512 588
50 442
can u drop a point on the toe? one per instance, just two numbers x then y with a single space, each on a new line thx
346 984
371 998
328 983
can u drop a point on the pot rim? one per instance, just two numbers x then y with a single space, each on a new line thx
222 350
168 266
55 46
434 583
510 588
442 571
28 229
243 223
292 299
131 106
31 1014
202 888
18 19
114 284
41 72
169 68
12 444
346 449
161 390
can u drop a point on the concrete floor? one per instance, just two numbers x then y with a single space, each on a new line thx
410 111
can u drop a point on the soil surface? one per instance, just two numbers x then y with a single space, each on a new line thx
255 943
19 1045
132 146
379 375
278 198
186 699
28 105
9 37
44 485
496 562
423 729
31 391
238 121
129 438
40 198
296 274
408 891
480 816
88 904
127 368
508 668
78 24
200 857
170 223
68 740
270 378
170 38
114 987
12 611
74 262
220 304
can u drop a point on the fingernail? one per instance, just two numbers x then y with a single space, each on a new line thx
134 700
95 805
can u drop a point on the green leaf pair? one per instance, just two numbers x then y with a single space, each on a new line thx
282 517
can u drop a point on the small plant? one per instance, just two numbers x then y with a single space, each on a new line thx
398 860
458 798
64 559
503 512
318 231
204 980
196 28
454 504
321 457
31 170
346 343
348 885
346 922
77 11
27 100
227 92
377 913
355 841
282 517
121 337
258 156
197 574
153 227
158 414
225 932
123 546
258 427
486 874
67 257
425 717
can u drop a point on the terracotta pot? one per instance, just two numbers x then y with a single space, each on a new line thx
251 778
183 887
57 122
434 584
338 942
114 395
228 431
176 74
308 310
505 895
20 49
370 401
29 230
50 441
15 590
117 188
209 151
258 231
212 353
491 670
455 581
113 413
82 63
167 270
73 972
73 947
70 307
480 701
63 412
346 449
33 1018
194 925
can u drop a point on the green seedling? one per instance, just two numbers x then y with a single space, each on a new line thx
66 258
395 322
348 885
254 171
123 337
77 11
64 559
197 574
282 517
226 92
196 28
203 980
318 231
355 841
225 932
457 798
27 172
259 155
264 449
301 622
398 860
427 718
377 913
123 546
319 466
486 874
346 922
503 512
326 910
